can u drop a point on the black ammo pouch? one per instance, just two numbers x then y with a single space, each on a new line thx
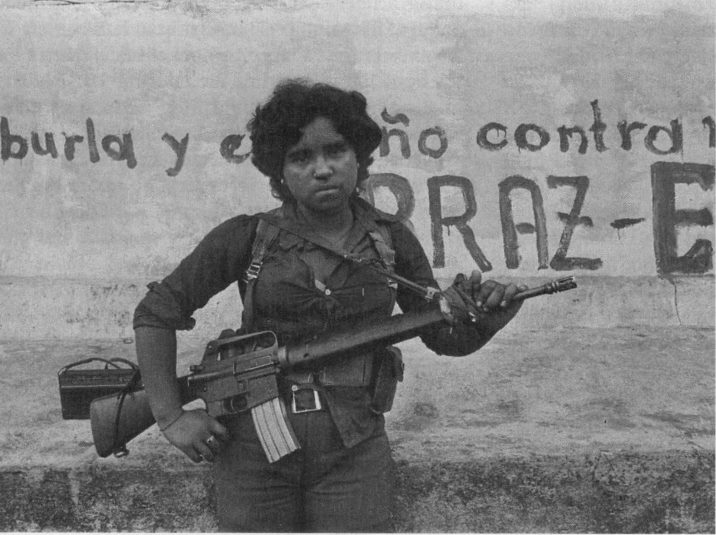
388 371
78 387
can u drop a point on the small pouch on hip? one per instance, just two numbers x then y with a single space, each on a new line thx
388 372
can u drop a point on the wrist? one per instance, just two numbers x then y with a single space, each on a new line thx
165 421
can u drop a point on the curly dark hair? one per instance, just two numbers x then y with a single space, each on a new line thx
276 126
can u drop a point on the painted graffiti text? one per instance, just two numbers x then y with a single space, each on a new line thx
666 218
15 146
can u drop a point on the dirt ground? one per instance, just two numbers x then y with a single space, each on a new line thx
618 408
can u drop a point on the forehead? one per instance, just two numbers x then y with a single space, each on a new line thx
318 132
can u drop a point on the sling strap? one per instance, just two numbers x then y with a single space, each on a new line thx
266 234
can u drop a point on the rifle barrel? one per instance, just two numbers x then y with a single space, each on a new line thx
559 285
389 331
360 338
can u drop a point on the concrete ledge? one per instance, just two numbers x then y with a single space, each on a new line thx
606 492
40 308
615 492
575 430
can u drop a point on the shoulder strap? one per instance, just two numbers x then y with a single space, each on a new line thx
383 242
266 234
379 232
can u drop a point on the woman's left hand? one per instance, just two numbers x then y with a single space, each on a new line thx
496 306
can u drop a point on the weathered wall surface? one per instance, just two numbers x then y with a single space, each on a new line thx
528 138
533 139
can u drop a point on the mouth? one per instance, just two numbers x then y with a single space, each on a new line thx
328 191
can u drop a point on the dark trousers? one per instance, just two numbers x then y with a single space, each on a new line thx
323 487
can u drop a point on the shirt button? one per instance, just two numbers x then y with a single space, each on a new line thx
327 291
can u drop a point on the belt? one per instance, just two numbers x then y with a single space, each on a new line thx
304 398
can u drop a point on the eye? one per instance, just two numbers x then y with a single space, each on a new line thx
298 157
336 149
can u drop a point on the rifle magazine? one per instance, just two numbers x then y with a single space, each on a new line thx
274 429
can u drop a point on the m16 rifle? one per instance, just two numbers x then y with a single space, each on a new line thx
238 373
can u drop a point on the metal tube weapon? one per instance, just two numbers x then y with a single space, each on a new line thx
238 374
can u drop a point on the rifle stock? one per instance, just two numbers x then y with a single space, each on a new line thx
128 415
118 418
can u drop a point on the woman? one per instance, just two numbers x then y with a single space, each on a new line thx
314 142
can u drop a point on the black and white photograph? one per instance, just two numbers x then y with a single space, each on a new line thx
357 266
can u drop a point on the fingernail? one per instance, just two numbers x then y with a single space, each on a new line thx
478 304
503 304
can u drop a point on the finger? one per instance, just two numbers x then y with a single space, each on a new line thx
219 431
468 300
204 451
495 297
476 277
465 289
484 292
521 288
193 454
475 282
510 292
213 444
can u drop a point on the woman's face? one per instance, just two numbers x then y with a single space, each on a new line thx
321 170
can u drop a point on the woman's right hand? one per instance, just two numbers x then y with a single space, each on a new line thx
198 435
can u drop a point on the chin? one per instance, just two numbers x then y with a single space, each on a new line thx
331 203
331 208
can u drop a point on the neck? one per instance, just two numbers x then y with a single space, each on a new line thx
328 223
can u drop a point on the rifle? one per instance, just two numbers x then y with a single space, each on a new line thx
238 374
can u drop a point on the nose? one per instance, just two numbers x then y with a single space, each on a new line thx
322 168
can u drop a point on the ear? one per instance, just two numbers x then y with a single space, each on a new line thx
285 192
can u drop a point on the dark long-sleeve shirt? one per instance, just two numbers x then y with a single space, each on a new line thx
290 299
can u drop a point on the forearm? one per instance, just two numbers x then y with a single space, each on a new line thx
157 357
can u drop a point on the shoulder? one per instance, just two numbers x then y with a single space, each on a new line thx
398 234
231 236
373 218
385 220
371 212
236 226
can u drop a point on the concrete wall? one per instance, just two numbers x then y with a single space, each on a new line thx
123 124
122 127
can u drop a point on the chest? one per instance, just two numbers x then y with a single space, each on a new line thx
299 280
